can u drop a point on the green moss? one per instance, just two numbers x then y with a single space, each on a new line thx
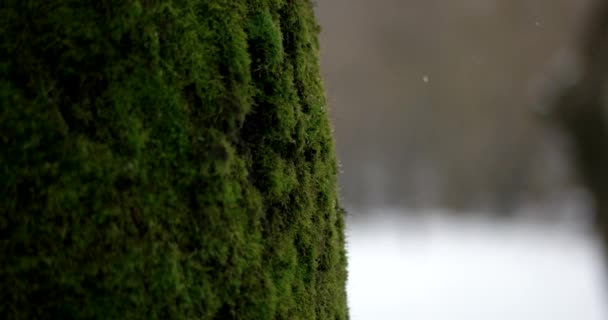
166 160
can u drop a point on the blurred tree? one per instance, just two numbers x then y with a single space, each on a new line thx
166 160
582 110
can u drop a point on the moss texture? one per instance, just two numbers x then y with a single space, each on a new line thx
166 160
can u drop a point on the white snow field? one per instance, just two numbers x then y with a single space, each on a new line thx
440 267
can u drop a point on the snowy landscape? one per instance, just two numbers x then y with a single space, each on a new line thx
435 266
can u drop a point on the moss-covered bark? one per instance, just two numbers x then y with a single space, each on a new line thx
166 160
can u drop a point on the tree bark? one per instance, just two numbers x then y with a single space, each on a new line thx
166 160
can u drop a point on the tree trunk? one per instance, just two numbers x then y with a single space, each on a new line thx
166 160
583 113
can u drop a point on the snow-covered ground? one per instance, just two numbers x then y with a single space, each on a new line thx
439 267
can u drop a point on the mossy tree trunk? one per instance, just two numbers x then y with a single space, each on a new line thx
166 160
583 112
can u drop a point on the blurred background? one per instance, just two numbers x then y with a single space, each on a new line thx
462 195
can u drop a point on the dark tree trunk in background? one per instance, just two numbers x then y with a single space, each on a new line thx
166 160
583 113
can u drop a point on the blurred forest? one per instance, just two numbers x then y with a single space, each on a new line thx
445 103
